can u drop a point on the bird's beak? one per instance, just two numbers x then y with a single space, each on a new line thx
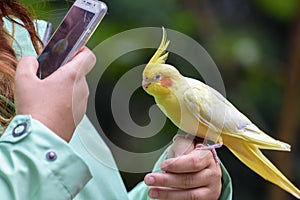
145 83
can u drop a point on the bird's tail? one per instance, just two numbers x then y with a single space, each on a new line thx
263 141
251 156
161 55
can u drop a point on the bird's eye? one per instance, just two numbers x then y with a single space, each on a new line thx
157 77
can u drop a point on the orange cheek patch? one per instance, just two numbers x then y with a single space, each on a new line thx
166 82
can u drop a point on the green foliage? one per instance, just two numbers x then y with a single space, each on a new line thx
283 10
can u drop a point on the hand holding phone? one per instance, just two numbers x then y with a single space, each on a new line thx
73 32
62 86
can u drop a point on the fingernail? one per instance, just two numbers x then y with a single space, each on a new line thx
150 180
153 194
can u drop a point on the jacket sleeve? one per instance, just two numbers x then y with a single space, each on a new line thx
36 164
140 191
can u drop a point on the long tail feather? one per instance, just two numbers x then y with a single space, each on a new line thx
251 156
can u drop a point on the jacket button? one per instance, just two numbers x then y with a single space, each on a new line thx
51 156
19 130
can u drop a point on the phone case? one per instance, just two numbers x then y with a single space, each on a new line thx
73 32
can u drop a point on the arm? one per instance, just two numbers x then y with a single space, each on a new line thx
201 186
36 161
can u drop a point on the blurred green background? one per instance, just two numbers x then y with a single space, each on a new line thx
254 43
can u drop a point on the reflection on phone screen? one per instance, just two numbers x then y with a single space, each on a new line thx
64 38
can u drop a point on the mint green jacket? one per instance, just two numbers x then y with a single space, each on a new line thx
35 164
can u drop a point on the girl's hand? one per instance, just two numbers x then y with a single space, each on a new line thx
191 174
58 101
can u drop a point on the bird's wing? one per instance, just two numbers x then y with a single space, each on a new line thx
211 108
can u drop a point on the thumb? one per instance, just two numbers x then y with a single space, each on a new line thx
27 67
181 146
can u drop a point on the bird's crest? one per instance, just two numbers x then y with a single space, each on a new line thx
161 55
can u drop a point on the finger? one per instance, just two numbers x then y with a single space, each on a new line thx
201 193
192 162
83 61
182 181
76 68
27 67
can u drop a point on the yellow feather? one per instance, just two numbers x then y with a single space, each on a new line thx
250 155
198 109
160 56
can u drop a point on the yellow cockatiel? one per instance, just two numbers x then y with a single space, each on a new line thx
200 110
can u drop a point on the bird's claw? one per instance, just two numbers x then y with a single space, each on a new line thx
212 148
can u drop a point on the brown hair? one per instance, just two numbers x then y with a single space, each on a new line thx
11 9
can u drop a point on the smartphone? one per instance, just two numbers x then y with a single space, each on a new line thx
72 33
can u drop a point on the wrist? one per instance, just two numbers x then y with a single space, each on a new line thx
61 127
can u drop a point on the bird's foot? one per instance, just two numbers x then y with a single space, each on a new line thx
212 148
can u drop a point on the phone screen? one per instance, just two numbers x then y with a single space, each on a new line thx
63 40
